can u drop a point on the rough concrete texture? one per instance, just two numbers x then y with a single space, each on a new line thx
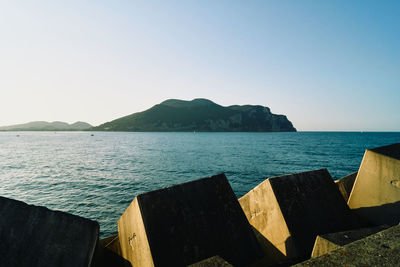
215 261
133 237
36 236
376 190
187 223
345 184
289 212
380 249
262 210
329 242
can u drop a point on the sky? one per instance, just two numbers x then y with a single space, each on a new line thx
326 65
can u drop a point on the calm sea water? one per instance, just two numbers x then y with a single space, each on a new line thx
98 176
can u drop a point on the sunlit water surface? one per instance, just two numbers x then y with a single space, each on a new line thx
98 176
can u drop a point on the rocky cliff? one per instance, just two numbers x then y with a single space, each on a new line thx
200 115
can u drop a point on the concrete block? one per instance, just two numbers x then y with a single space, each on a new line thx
345 184
380 249
111 243
376 190
187 223
329 242
289 211
215 261
36 236
109 253
104 241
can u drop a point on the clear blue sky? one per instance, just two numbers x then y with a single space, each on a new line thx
327 65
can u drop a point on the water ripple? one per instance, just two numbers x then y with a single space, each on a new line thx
97 177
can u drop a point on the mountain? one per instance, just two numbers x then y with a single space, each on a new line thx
48 126
80 125
203 115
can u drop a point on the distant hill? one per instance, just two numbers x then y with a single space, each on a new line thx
200 115
48 126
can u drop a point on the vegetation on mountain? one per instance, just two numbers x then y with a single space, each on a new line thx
200 115
48 126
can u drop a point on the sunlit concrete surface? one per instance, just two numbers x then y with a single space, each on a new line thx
376 190
186 223
345 184
288 212
380 249
329 242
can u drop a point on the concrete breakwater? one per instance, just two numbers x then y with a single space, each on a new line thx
283 221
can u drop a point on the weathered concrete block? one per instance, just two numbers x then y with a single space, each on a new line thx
36 236
345 184
329 242
380 249
289 212
376 190
215 261
186 223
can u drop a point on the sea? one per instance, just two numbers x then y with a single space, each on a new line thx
97 174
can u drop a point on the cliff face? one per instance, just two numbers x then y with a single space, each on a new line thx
201 115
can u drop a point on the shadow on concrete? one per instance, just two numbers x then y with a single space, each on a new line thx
345 185
291 250
107 258
385 214
272 255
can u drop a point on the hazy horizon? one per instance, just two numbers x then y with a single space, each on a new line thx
327 66
71 122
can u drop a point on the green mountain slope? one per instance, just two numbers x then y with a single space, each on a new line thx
200 115
48 126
